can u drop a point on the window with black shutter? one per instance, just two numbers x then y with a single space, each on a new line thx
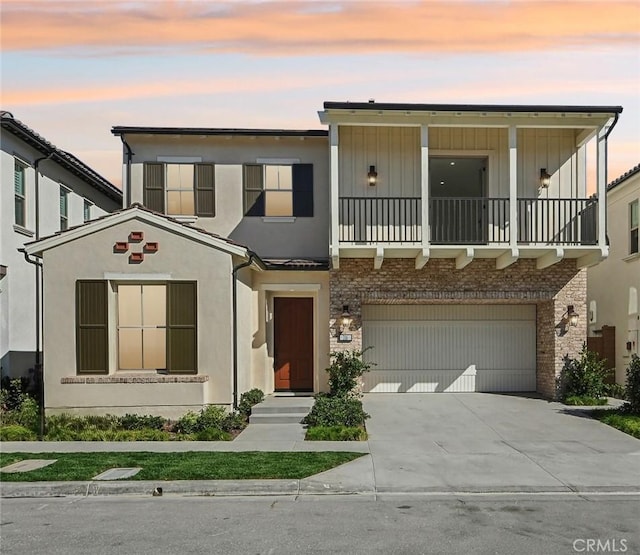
182 329
92 337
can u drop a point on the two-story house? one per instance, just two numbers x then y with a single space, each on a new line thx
44 190
613 286
453 239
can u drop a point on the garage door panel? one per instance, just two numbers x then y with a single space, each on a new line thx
451 355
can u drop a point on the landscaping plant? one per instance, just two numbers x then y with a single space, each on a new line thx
633 385
582 377
248 399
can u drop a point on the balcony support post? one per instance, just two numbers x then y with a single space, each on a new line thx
422 259
424 184
549 259
506 259
464 258
601 158
513 187
334 185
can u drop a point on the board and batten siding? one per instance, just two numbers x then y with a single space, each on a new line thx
453 348
395 151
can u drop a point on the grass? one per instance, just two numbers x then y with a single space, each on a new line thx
623 421
179 466
585 401
336 433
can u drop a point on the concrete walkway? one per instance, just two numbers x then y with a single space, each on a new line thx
420 443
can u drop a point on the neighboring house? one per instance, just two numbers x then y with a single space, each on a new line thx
613 286
454 239
68 193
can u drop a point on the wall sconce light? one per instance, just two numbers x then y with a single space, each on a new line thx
545 178
345 318
372 176
572 316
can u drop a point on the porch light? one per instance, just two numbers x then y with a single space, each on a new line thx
545 178
572 316
345 318
372 176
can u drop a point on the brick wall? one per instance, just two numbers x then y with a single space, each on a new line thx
398 282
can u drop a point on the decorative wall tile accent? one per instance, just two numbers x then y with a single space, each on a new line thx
121 246
137 378
136 236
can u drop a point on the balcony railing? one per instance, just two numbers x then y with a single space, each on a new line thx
468 221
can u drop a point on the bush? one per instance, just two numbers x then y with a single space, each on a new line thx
212 434
584 401
211 416
615 390
18 407
141 422
329 410
346 367
336 433
248 399
233 421
15 432
583 377
633 384
187 423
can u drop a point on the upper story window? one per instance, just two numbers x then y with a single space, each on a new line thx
19 187
180 189
64 208
633 226
278 190
87 211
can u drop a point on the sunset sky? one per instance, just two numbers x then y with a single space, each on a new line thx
73 69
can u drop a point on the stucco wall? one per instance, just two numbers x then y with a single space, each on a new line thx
178 258
552 289
304 237
610 282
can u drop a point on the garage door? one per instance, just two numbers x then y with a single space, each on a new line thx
425 348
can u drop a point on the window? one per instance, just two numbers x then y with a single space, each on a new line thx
633 227
19 173
180 189
64 209
155 327
87 210
278 190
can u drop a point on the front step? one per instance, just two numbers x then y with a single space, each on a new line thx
281 410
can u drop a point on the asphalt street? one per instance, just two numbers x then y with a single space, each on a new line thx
367 523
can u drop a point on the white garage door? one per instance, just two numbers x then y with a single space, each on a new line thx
425 348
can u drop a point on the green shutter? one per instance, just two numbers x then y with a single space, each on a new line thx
18 179
182 329
92 330
154 187
253 190
205 190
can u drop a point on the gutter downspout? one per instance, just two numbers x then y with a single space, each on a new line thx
606 164
38 364
127 186
234 322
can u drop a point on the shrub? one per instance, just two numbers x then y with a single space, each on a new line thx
336 433
211 416
582 377
248 399
140 422
615 390
187 423
346 367
633 384
212 434
329 410
15 432
233 421
17 406
584 401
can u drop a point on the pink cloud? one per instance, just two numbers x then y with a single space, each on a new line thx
295 28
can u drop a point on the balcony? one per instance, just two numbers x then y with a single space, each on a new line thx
467 221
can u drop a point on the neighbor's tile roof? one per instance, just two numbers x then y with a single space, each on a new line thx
317 264
626 175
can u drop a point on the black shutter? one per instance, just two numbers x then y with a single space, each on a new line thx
205 190
182 329
253 199
302 179
153 186
92 330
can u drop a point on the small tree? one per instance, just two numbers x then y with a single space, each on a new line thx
346 367
633 384
583 377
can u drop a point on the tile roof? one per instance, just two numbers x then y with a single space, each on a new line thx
317 264
626 175
61 157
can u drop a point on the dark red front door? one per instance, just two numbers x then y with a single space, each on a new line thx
293 343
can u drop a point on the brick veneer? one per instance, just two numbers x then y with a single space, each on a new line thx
398 282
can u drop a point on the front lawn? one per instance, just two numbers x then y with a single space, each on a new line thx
620 419
179 466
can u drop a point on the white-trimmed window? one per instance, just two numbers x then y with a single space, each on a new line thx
20 200
86 210
64 208
634 209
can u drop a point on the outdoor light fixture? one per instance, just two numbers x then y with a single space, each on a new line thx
345 318
545 178
572 316
372 176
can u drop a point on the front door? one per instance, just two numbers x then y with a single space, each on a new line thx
293 343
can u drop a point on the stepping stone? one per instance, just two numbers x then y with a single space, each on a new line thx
27 465
117 474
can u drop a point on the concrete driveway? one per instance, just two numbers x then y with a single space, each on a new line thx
491 442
